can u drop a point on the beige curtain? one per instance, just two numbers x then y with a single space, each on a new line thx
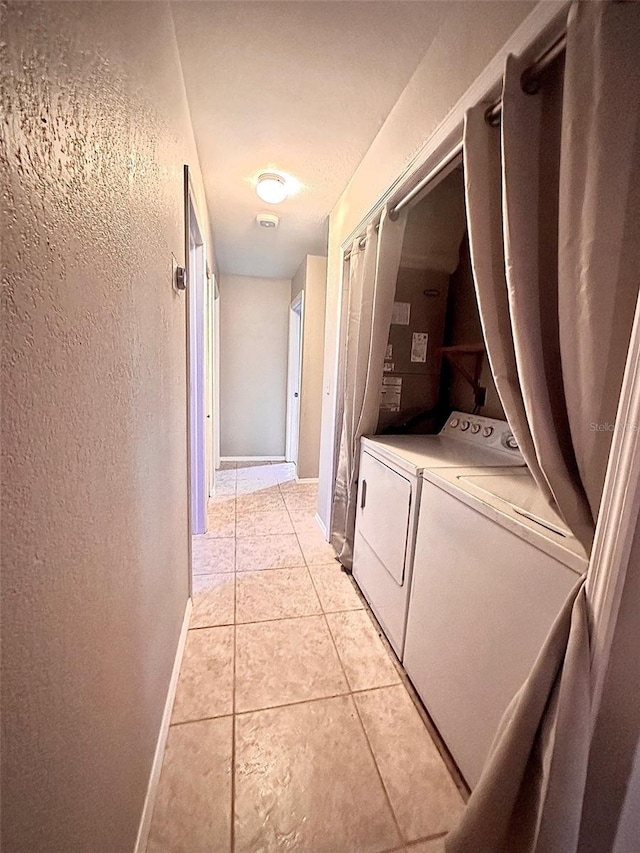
599 225
558 344
514 252
373 271
483 195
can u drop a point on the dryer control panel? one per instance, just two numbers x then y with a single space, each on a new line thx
485 432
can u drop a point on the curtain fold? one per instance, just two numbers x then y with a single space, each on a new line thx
483 198
373 272
599 226
531 131
571 237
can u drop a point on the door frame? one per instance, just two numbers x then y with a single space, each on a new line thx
294 378
196 275
213 378
211 385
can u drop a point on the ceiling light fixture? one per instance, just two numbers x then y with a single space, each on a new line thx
272 188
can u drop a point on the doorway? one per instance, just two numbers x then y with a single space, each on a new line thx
211 380
294 378
201 407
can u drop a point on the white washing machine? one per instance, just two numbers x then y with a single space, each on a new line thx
494 565
389 489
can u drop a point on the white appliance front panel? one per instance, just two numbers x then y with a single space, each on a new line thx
482 603
525 517
386 597
384 506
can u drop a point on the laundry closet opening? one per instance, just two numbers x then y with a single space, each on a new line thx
435 360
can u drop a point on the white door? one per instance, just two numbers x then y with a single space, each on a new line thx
216 379
208 385
211 348
294 376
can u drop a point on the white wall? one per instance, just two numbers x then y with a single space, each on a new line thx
312 279
254 329
470 36
94 517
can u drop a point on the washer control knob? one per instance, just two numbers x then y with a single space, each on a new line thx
475 428
454 422
487 431
465 425
510 441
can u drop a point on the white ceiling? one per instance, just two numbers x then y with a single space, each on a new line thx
301 87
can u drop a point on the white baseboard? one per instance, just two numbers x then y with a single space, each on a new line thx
322 527
252 459
306 479
156 767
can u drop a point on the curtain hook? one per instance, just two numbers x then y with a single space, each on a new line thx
529 83
493 114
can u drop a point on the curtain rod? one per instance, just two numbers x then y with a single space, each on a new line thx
362 242
530 82
428 178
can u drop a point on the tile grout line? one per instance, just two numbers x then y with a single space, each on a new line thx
364 731
379 772
321 612
353 701
233 680
411 845
233 691
232 804
309 572
286 568
238 713
350 689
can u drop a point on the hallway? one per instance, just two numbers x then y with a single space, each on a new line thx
291 728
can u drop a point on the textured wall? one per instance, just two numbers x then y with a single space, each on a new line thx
254 334
94 518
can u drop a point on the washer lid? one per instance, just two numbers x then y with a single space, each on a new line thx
519 489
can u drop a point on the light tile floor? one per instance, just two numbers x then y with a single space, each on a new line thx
291 728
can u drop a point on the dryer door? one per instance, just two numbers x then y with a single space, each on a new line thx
384 504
